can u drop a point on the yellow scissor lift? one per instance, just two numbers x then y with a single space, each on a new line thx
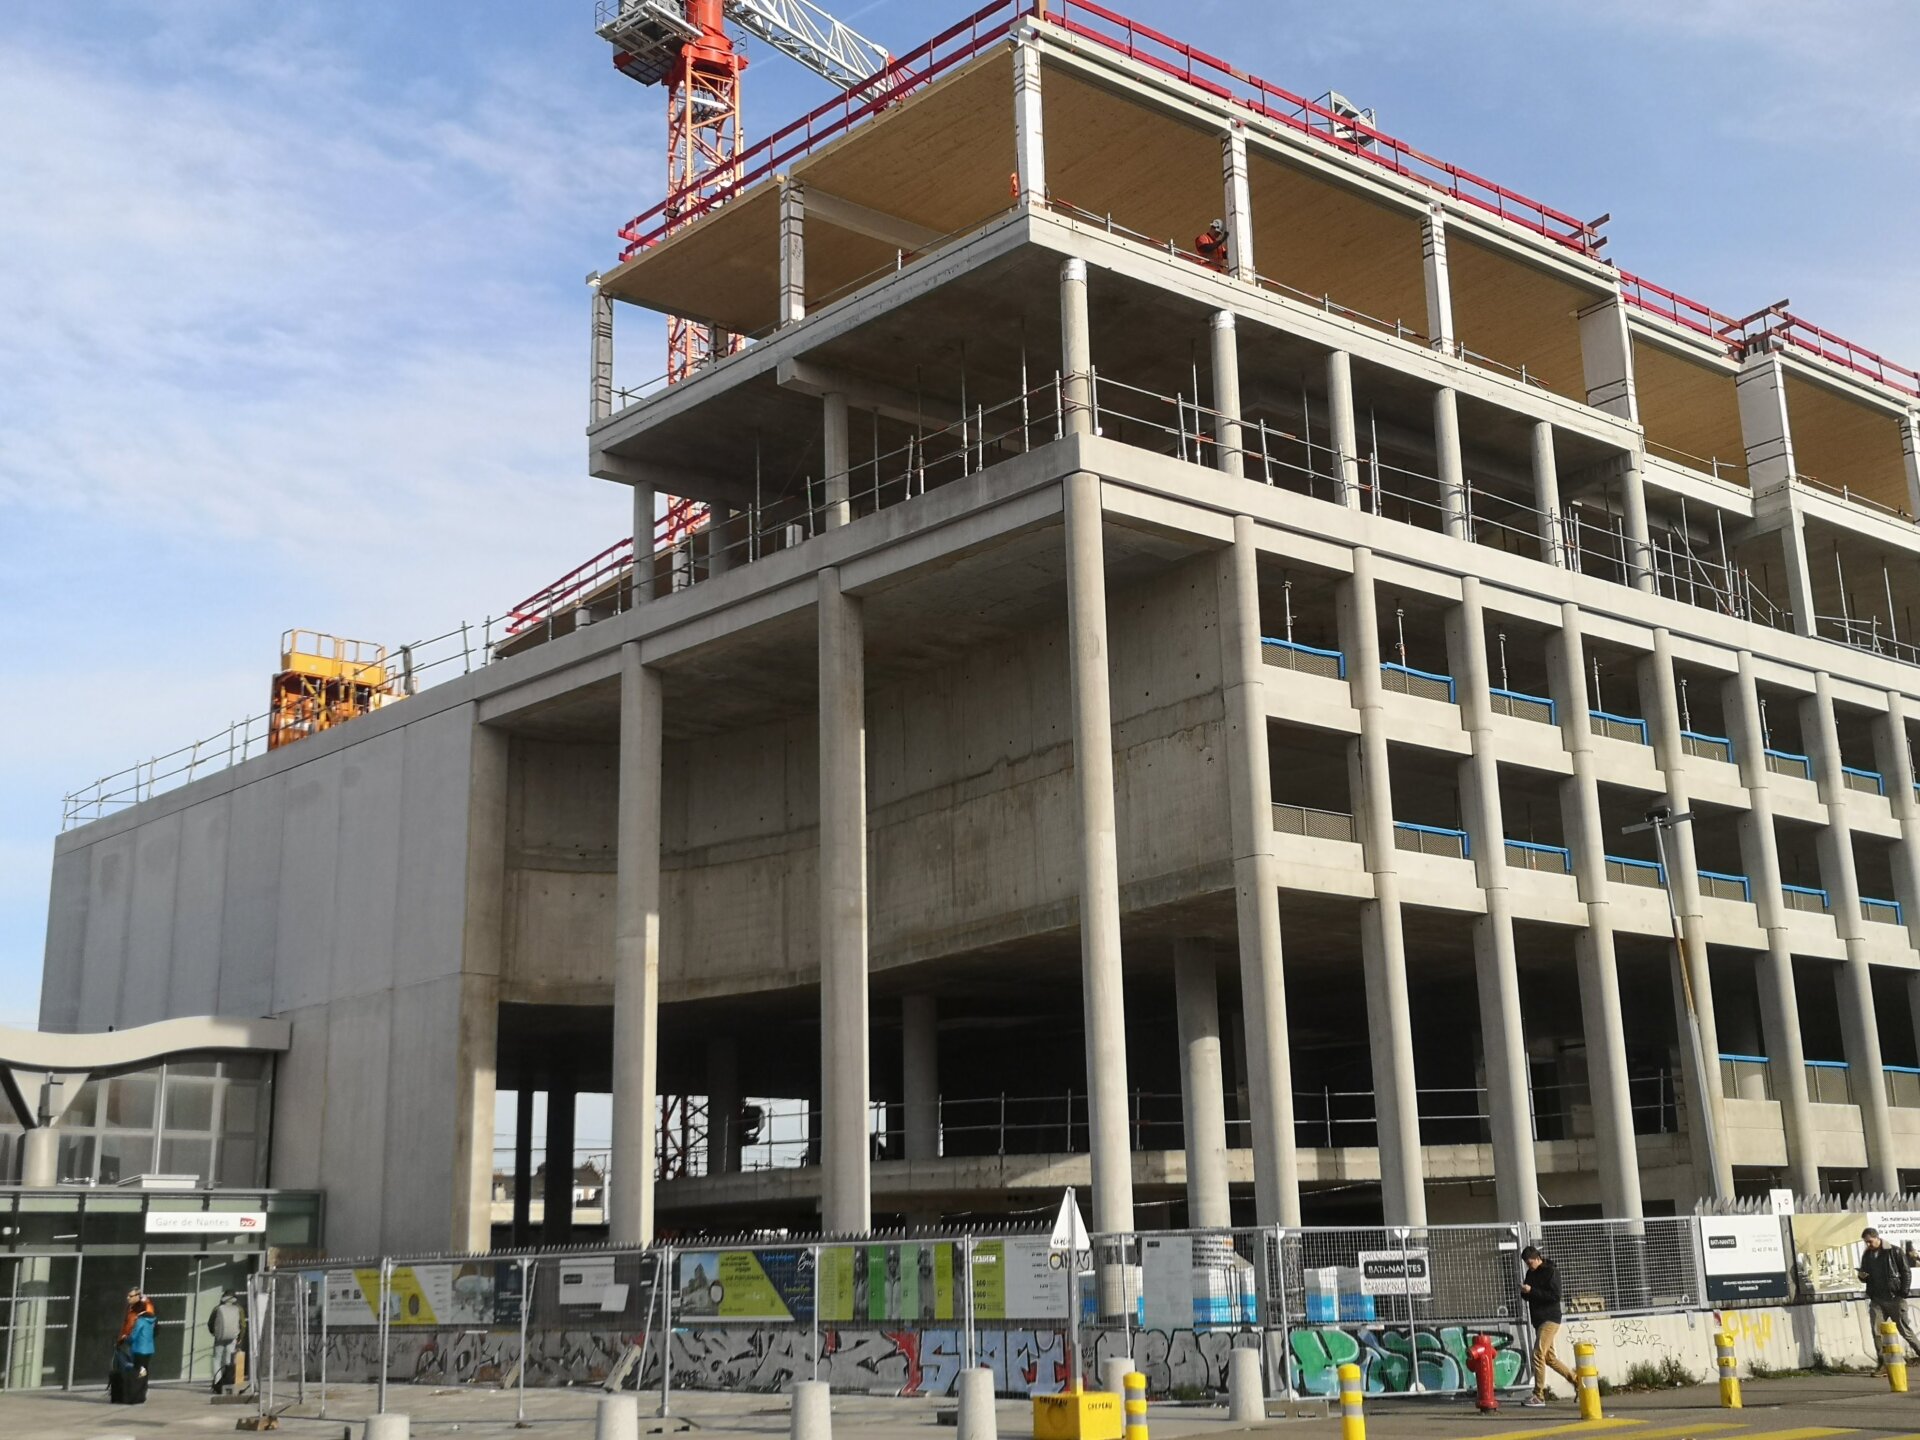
323 681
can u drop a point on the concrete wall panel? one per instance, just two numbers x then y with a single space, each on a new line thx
193 988
300 1102
559 936
149 945
353 1133
431 918
422 1112
367 891
104 944
249 923
66 939
309 863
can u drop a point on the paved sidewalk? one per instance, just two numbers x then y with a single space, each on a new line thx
1810 1408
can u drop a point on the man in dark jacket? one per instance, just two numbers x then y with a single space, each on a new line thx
1883 1270
1540 1288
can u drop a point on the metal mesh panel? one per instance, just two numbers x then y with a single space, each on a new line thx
1803 899
1611 728
1305 661
1314 824
1884 911
1722 887
1425 841
1707 747
1523 707
1624 1265
1425 687
1643 876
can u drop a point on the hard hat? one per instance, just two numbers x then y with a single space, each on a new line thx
1218 227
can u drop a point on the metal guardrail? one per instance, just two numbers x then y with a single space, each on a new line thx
1829 1082
1618 727
1719 885
1884 912
1702 746
1867 782
1307 659
1530 855
1522 706
1785 762
1314 824
1645 873
1810 898
1431 840
1405 680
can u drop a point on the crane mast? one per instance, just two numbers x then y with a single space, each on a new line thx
683 44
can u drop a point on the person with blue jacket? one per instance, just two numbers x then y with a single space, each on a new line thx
133 1356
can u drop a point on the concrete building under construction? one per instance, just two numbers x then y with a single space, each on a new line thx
1176 719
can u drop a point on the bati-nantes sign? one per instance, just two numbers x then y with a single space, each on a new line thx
1395 1272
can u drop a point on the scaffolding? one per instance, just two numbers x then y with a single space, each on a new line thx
323 681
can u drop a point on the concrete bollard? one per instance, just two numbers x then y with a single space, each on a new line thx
1353 1415
1113 1374
812 1411
977 1420
1893 1355
388 1427
1246 1388
1729 1370
1589 1373
1136 1406
617 1418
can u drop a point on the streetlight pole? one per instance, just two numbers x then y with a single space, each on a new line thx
1660 820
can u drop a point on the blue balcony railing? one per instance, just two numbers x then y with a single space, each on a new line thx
1308 659
1528 855
1618 727
1523 706
1722 886
1432 840
1806 897
1867 782
1647 873
1785 762
1405 680
1706 747
1886 912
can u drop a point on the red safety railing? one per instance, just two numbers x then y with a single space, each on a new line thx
952 46
1688 313
683 517
1218 78
1786 328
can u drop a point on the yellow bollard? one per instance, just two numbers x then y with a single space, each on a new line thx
1589 1374
1893 1355
1353 1417
1729 1368
1136 1406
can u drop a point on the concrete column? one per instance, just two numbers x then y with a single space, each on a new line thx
1893 755
720 555
1076 348
1910 451
1601 1022
1256 880
1100 959
1228 455
1633 500
1238 202
920 1074
40 1157
836 467
1452 471
1779 1002
1606 354
793 251
1382 941
1859 1024
846 1199
1761 389
1346 443
481 949
1202 1090
643 531
1496 962
556 1224
636 954
1029 127
1659 698
1546 495
523 1169
723 1105
1433 255
600 368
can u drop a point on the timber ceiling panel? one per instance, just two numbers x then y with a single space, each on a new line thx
1324 240
1518 315
1845 444
724 268
1690 411
1107 155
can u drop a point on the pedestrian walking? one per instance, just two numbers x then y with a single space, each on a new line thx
1884 1271
133 1353
1540 1288
223 1324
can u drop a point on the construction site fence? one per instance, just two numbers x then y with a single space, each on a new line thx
904 1313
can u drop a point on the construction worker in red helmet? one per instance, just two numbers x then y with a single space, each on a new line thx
1211 246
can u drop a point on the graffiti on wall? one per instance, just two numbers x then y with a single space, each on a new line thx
924 1360
1387 1358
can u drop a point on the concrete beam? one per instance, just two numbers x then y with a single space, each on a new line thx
139 1045
861 220
807 377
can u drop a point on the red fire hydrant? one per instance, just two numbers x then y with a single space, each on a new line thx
1480 1360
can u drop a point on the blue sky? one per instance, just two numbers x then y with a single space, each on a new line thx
293 330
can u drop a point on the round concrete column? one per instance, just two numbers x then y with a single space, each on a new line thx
812 1413
617 1417
1113 1373
40 1157
1246 1390
977 1420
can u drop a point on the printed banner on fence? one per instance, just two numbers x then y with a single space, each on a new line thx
770 1285
914 1280
1826 1252
416 1295
1745 1258
1018 1280
1166 1282
584 1281
1395 1272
